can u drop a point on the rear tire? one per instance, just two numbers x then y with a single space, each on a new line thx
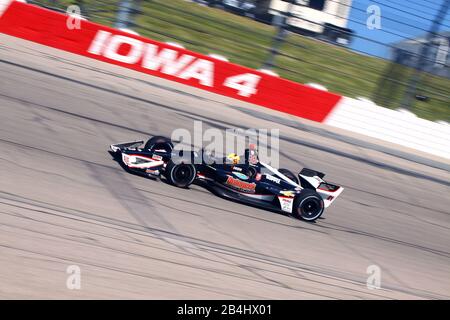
180 175
289 174
159 142
308 205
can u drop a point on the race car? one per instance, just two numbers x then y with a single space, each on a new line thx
249 180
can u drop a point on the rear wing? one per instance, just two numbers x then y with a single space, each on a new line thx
126 145
329 192
314 179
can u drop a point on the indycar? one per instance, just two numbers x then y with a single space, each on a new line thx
251 181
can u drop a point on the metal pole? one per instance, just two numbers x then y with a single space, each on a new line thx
280 22
123 14
408 99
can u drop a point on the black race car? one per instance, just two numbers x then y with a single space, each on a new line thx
250 181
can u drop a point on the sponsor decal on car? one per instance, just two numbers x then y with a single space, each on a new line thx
240 185
287 193
152 172
286 203
240 175
273 179
128 160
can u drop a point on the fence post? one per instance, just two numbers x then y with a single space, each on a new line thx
123 15
408 98
280 22
277 41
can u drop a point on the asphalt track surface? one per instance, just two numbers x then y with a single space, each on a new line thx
64 201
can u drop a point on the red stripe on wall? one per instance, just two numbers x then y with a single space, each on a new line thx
49 28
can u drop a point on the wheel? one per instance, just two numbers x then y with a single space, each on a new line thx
289 174
180 175
308 205
159 142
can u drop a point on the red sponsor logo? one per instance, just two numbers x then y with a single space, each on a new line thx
126 159
241 185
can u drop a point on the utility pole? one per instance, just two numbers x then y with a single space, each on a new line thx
408 99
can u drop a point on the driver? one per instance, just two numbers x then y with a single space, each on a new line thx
248 168
233 158
251 157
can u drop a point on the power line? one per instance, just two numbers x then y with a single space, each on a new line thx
232 39
262 47
415 9
391 46
401 10
424 49
314 22
253 41
438 4
360 23
330 56
263 34
422 5
361 10
252 30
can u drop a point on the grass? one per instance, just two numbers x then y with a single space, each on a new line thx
301 59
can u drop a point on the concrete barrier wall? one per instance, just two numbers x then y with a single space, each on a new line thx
390 125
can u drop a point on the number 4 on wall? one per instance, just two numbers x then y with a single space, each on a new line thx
245 83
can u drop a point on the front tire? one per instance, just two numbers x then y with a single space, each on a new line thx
180 175
308 206
159 142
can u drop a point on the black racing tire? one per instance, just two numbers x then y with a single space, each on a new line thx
289 174
308 205
158 142
180 175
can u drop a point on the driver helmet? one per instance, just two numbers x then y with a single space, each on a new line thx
233 158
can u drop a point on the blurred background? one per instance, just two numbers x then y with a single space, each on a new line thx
394 53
